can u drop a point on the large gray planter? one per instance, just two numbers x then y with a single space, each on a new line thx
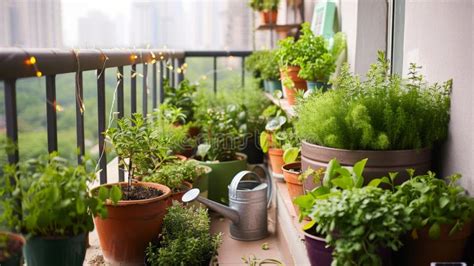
379 163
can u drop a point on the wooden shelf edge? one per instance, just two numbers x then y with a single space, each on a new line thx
283 103
281 27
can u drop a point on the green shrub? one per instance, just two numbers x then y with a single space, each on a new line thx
185 239
382 113
175 173
181 97
54 196
263 64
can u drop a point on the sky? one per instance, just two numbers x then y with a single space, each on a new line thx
72 10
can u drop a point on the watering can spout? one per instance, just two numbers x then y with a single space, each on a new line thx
226 211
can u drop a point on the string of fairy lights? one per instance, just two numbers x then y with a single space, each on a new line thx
32 61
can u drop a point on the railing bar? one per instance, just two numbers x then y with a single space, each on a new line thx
243 71
167 73
181 62
145 90
215 74
101 125
173 72
51 119
154 86
120 110
11 116
133 95
79 117
162 91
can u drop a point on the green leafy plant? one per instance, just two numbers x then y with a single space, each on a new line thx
185 239
175 173
263 64
434 202
288 52
181 97
382 113
48 197
264 5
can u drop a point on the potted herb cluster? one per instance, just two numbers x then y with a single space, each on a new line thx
264 64
138 216
268 10
391 121
185 240
218 150
49 201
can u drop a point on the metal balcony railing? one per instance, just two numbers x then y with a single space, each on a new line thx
20 63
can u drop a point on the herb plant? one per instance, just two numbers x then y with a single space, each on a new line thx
181 97
264 5
54 197
175 173
434 202
288 52
263 64
185 239
382 113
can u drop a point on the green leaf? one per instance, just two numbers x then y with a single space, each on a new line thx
344 182
443 201
202 150
103 193
359 167
264 141
435 231
332 165
115 194
80 206
309 225
290 155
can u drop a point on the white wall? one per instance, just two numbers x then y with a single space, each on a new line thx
439 36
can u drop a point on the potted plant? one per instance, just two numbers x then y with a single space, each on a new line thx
185 239
138 216
442 217
265 63
391 121
49 200
11 245
349 221
318 60
221 141
268 10
179 176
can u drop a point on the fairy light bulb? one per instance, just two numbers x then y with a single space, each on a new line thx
39 74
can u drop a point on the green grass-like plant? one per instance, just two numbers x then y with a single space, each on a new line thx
185 239
384 112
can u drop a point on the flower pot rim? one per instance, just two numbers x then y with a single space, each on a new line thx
166 193
289 166
307 143
240 157
318 238
275 151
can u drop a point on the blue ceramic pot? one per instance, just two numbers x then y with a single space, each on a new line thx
273 85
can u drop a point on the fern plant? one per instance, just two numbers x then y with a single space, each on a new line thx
385 112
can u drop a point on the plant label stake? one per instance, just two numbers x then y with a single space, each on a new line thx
248 201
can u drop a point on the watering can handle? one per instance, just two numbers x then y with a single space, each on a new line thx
238 177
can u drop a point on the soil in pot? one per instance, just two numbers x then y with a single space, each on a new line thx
11 253
139 192
424 250
275 156
55 251
291 172
132 224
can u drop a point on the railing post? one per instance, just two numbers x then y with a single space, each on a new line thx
101 125
154 86
145 90
162 91
173 72
51 108
79 117
11 118
181 62
243 72
120 110
215 74
133 95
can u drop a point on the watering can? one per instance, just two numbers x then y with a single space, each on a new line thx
248 202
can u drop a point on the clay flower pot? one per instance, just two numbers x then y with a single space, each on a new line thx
300 84
131 225
291 171
269 17
178 195
275 157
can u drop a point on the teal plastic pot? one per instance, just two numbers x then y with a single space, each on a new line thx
41 251
317 85
266 85
274 85
221 176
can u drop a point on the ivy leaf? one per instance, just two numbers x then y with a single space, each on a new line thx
435 231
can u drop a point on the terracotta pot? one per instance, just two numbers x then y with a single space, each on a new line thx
291 171
181 157
276 161
379 163
11 254
131 225
178 195
300 84
424 250
269 17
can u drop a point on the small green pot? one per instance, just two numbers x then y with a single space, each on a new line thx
40 251
273 85
317 85
221 176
